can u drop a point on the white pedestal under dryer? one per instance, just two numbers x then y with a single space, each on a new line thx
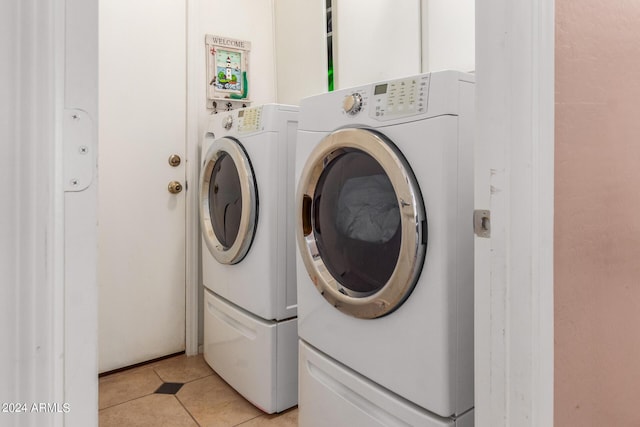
384 209
248 252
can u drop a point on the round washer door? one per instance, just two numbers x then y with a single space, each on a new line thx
361 228
228 201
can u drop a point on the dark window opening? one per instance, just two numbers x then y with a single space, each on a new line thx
225 200
356 220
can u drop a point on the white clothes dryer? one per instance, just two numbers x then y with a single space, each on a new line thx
248 252
384 211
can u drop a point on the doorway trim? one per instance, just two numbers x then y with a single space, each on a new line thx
515 51
514 301
49 245
192 218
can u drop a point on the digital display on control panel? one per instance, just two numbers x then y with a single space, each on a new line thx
241 113
400 98
380 89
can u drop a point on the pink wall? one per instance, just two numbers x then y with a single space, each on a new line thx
597 213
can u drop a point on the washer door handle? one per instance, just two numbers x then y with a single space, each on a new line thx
306 215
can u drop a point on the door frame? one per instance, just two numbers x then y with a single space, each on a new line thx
515 51
50 301
192 216
515 130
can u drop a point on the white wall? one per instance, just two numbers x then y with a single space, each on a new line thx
246 20
301 49
449 35
375 40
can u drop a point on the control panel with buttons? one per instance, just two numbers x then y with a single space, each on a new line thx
249 119
400 98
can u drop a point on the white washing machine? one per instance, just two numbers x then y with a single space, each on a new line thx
248 252
384 209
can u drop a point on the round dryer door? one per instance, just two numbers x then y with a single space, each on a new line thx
361 226
228 201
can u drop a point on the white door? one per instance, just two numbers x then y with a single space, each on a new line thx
141 225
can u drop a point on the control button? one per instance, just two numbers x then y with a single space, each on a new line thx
352 104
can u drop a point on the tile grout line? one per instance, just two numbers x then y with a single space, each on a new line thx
158 366
135 398
187 382
246 421
201 378
188 412
126 401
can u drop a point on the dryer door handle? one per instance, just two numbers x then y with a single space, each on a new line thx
306 215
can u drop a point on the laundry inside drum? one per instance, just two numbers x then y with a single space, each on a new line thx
356 221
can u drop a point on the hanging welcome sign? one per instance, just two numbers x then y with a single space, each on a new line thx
227 69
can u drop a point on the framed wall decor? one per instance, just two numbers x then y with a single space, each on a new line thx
227 70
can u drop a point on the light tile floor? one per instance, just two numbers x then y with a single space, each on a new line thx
129 399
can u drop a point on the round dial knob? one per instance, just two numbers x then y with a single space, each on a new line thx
352 104
228 122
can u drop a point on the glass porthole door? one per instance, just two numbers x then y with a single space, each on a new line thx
228 201
362 228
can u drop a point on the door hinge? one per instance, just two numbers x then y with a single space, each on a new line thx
482 223
79 150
